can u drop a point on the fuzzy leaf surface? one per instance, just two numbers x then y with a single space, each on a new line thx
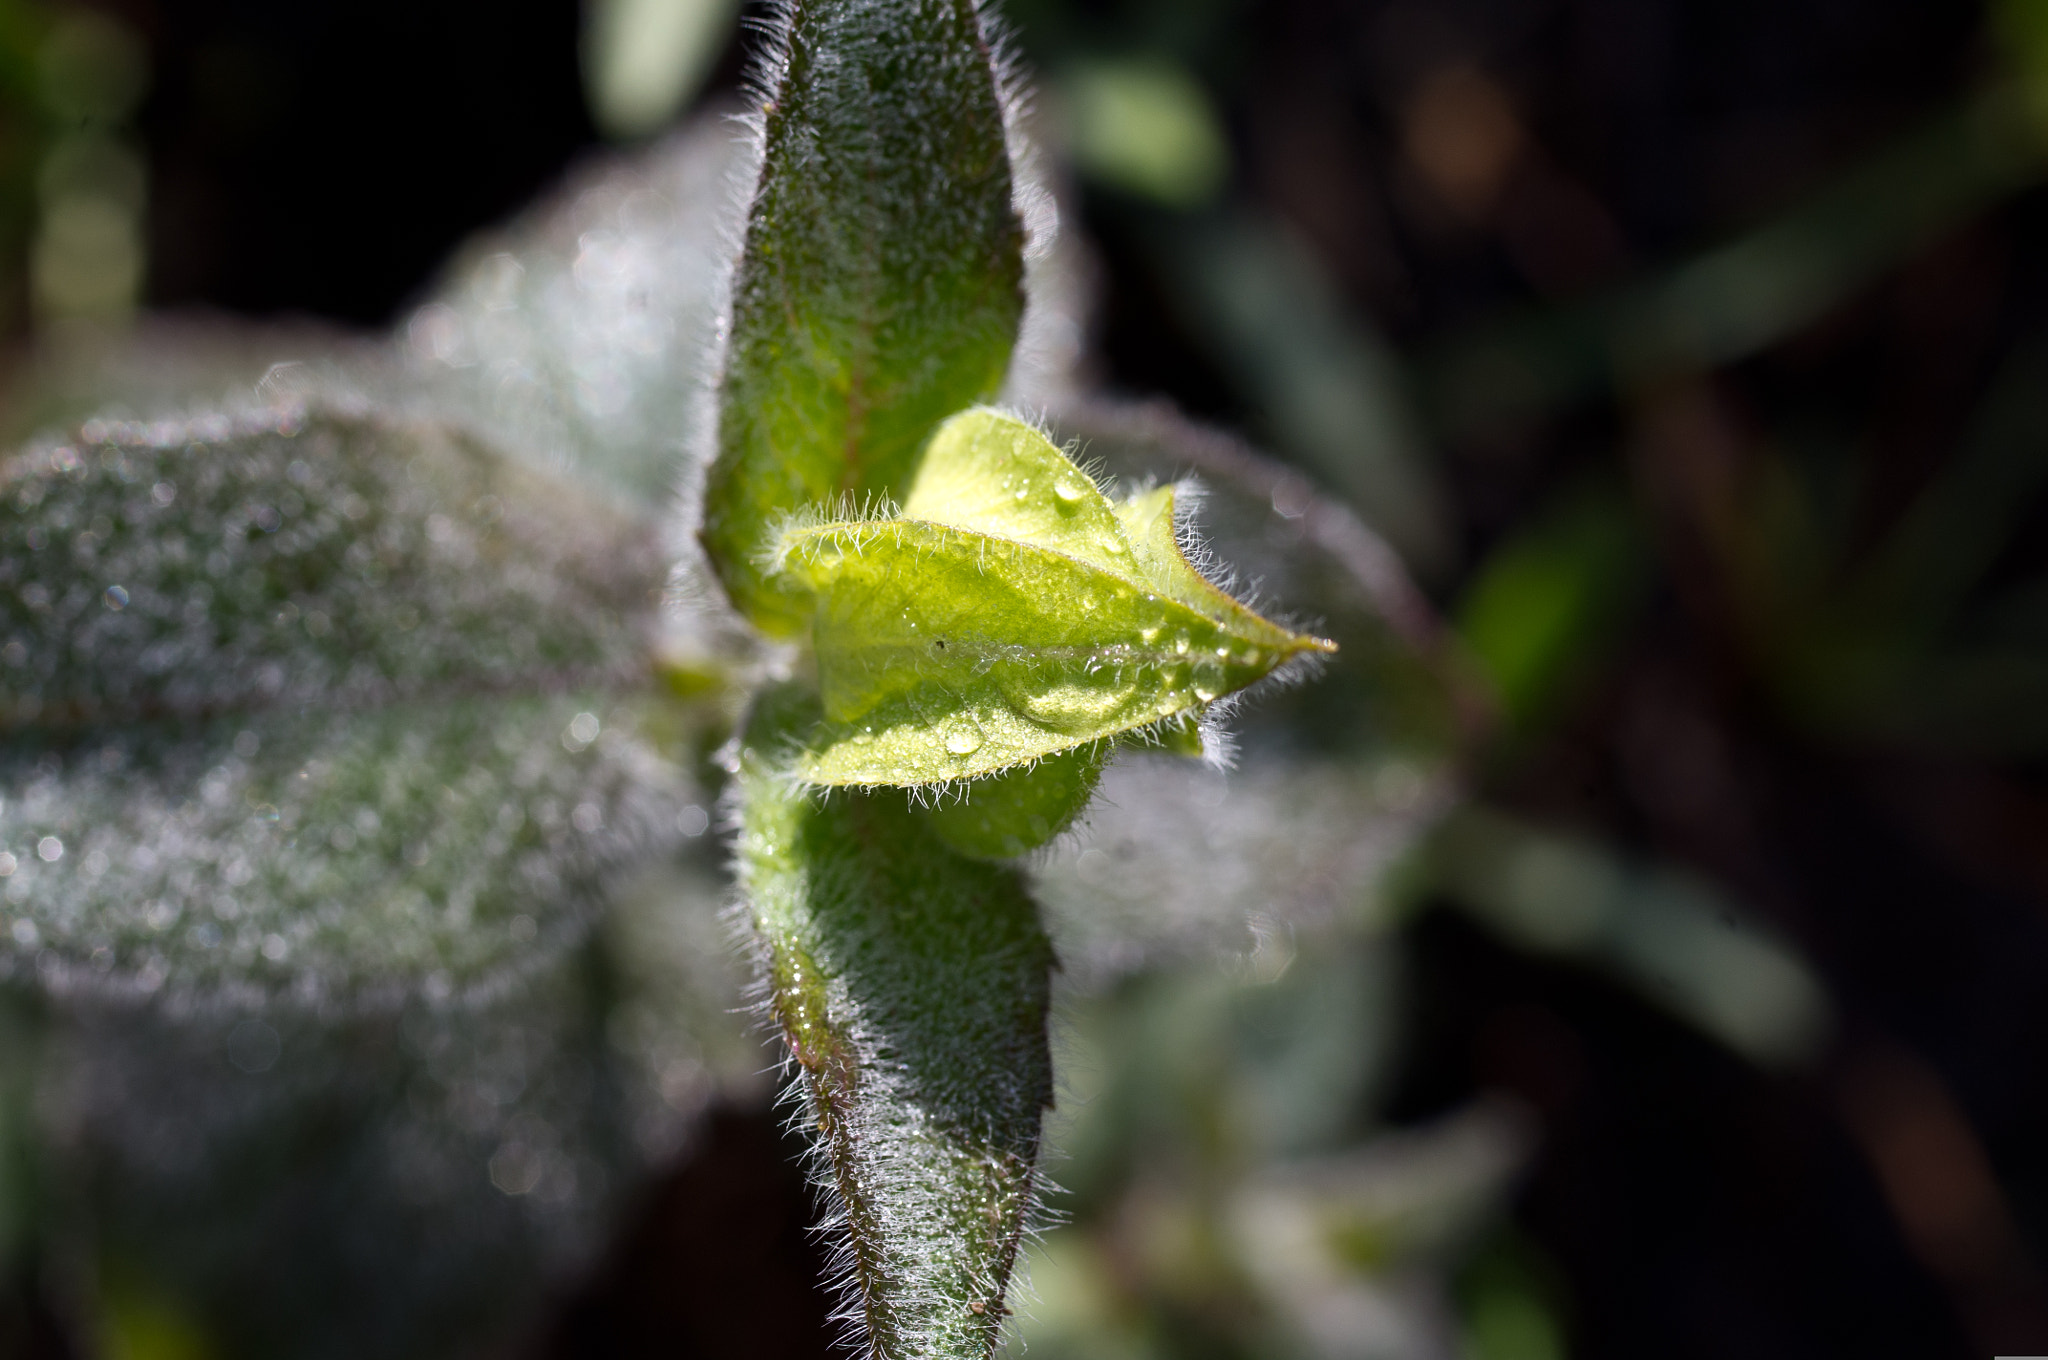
1011 612
881 286
1021 809
320 705
912 985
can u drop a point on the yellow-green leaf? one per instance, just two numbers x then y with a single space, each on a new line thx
1011 612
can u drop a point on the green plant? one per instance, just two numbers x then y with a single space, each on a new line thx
983 622
337 707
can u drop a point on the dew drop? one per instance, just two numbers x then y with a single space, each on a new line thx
116 598
1069 489
49 849
963 736
1180 644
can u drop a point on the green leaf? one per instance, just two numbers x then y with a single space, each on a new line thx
1021 809
1392 688
1010 613
488 1152
577 337
323 706
911 984
881 288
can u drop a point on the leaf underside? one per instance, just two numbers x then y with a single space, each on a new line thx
321 706
1011 813
1010 613
911 984
881 287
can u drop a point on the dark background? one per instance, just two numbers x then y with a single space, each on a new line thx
322 157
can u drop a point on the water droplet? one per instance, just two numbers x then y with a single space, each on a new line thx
963 736
1149 635
864 737
1223 653
1205 689
1078 705
1069 489
49 849
1180 644
116 598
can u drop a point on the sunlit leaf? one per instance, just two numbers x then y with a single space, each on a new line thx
1391 688
880 290
911 985
1010 613
327 706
